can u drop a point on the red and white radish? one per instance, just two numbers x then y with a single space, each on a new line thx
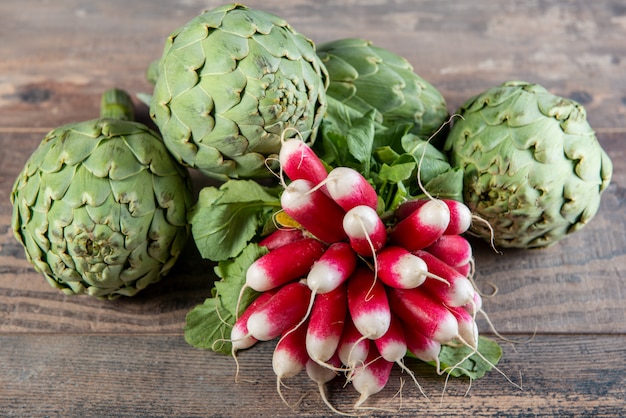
422 227
454 250
333 268
372 376
392 345
460 214
322 375
326 323
431 317
273 269
290 356
298 161
460 217
314 210
239 335
422 347
353 346
365 230
282 312
281 237
368 304
457 290
468 330
349 188
397 267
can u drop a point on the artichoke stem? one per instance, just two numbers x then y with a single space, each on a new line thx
116 104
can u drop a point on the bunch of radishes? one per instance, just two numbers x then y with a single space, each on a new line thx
348 292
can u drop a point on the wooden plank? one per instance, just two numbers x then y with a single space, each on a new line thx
159 376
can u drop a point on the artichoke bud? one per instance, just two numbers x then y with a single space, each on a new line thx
229 84
100 206
533 167
364 77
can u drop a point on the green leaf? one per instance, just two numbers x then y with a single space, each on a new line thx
458 362
396 173
233 275
207 326
225 220
448 185
361 141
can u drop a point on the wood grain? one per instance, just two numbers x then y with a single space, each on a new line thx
122 376
77 356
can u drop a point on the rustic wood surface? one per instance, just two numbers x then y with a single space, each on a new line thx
77 356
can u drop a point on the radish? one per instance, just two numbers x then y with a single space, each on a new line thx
299 161
392 344
474 306
281 237
333 268
393 347
460 214
365 230
353 346
422 227
239 335
417 308
454 250
290 356
314 210
282 312
322 375
349 188
326 323
371 377
465 269
368 304
458 290
468 330
422 347
271 270
400 268
460 217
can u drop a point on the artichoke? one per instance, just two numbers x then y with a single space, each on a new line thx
100 206
229 83
533 167
364 77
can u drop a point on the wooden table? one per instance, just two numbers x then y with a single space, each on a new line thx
78 356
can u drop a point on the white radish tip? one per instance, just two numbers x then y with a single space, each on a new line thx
360 220
435 213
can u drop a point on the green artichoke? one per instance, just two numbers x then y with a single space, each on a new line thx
533 167
100 206
365 77
229 83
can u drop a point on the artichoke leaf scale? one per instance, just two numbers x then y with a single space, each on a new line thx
149 151
281 43
175 77
86 189
160 235
221 52
133 192
211 161
68 147
220 93
246 22
174 204
111 159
